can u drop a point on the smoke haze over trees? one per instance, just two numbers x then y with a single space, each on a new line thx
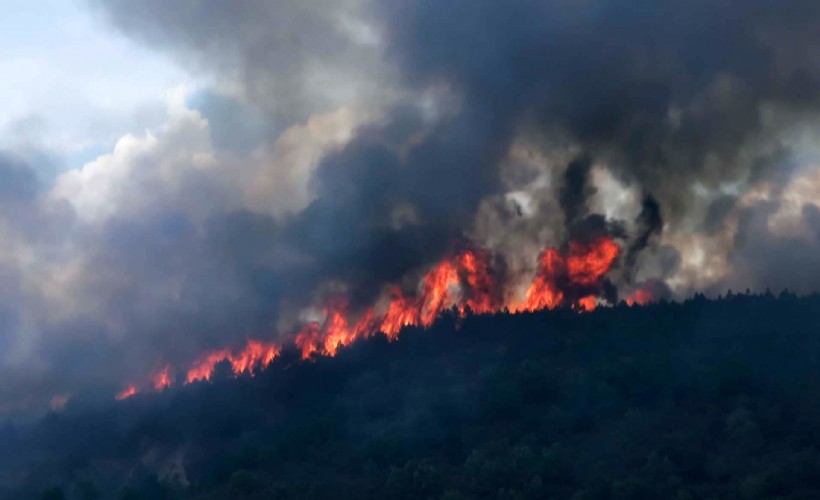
392 249
332 149
705 399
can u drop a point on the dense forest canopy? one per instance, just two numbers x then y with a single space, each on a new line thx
700 399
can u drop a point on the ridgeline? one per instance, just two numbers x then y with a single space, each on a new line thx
701 399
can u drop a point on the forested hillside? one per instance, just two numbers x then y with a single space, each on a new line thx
703 399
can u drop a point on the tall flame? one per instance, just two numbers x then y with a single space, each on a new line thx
335 332
544 291
400 313
475 267
463 282
588 262
162 379
255 355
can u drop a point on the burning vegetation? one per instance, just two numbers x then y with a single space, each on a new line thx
469 281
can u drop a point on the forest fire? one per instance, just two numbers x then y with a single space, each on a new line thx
543 292
587 303
162 379
314 338
640 297
255 355
465 282
126 393
588 262
582 269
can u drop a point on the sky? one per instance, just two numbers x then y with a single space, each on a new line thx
72 85
179 178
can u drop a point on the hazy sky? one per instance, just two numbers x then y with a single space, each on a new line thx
181 177
72 84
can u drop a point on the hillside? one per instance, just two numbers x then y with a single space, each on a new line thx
704 399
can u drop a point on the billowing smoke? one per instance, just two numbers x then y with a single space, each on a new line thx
348 154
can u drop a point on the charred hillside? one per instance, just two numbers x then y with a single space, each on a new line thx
701 399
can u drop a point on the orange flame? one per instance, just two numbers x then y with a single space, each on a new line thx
336 332
438 292
640 297
588 262
255 355
474 265
543 292
463 281
400 313
587 303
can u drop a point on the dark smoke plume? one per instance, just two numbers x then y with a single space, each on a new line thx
439 122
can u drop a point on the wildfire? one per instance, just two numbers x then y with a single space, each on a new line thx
255 355
544 292
640 297
162 379
588 262
336 331
400 313
587 303
463 282
126 393
474 266
581 270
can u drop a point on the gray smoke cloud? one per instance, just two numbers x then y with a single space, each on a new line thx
350 144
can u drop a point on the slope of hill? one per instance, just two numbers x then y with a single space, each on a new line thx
705 399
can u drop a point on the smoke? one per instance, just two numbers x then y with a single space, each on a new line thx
648 224
346 147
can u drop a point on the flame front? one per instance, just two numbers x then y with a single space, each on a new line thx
464 282
126 393
474 266
544 291
588 262
255 355
400 313
581 270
